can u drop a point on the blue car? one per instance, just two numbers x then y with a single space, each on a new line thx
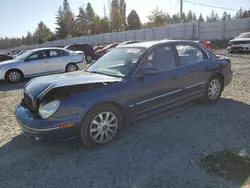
129 83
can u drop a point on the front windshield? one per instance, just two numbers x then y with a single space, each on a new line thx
244 35
24 55
118 62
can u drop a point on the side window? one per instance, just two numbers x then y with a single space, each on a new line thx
63 53
189 54
37 55
161 58
54 53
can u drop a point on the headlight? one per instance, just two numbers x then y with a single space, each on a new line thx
47 110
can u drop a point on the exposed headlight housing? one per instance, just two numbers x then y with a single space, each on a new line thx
47 110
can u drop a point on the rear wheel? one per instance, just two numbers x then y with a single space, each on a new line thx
213 90
14 76
71 67
89 58
101 125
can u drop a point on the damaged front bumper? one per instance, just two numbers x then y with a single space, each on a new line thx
48 129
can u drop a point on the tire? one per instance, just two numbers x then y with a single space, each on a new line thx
14 76
93 135
213 90
89 58
71 67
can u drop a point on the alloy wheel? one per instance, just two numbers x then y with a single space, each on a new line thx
89 58
214 89
103 127
72 68
14 76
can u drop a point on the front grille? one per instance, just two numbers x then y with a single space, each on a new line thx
237 48
27 100
240 42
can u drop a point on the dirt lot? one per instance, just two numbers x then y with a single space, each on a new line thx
169 150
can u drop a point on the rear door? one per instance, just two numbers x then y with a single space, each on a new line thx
57 60
194 67
36 64
155 91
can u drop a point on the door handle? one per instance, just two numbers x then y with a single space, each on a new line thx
173 77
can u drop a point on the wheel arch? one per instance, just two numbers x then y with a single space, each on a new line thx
71 63
114 103
221 76
11 69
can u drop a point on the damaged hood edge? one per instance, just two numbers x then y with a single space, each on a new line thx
58 85
38 87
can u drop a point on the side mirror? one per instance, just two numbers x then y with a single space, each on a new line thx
149 70
27 59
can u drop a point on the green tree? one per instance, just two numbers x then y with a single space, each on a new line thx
239 13
64 20
194 17
90 17
229 17
115 16
118 15
189 16
43 33
61 30
213 17
81 23
176 18
29 39
123 9
201 19
224 16
184 17
208 19
102 25
133 20
157 18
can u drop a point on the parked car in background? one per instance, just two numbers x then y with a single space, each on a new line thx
86 48
129 42
19 53
39 62
100 53
240 43
129 83
96 48
207 44
5 57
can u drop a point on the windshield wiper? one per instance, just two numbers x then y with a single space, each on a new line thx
98 72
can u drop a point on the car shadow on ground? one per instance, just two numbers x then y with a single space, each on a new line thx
152 135
5 86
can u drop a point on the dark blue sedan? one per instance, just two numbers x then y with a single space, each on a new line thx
128 83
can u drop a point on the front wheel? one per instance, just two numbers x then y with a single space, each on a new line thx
213 90
101 125
14 76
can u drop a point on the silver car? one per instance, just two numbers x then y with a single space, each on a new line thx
42 61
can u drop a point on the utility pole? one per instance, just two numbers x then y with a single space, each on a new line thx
181 4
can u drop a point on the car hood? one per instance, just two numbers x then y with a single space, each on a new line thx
38 87
240 39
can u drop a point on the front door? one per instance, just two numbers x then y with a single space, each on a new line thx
36 64
153 91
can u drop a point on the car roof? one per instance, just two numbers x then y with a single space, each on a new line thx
51 48
152 43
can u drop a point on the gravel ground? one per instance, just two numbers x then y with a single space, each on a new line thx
162 151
